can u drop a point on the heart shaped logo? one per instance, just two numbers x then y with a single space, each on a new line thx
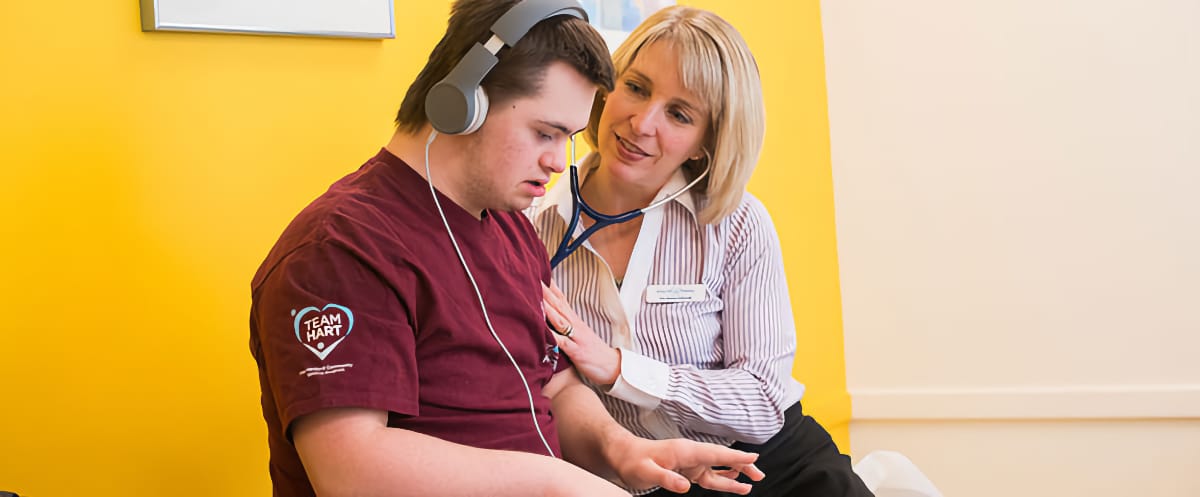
321 330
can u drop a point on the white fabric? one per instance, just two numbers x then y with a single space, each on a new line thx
891 474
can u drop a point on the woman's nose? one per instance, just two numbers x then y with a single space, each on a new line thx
644 121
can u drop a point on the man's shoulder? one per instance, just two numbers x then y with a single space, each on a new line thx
357 215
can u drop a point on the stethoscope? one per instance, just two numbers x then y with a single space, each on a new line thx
578 206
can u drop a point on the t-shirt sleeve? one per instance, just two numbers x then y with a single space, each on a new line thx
335 334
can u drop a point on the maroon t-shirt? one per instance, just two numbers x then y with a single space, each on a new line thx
363 303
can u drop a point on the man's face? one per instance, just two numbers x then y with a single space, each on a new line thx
524 141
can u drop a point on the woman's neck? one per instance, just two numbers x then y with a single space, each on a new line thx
609 195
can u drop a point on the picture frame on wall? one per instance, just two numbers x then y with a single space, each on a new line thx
372 19
615 19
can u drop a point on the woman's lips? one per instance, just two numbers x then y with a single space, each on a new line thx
629 150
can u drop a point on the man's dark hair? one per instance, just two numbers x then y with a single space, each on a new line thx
521 68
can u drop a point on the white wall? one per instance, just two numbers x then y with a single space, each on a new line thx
1060 458
1017 186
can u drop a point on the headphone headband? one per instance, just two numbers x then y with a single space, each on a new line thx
513 25
457 104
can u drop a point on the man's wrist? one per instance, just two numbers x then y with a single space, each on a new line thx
615 445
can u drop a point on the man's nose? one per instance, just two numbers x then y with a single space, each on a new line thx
555 161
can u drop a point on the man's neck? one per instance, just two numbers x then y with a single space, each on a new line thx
444 157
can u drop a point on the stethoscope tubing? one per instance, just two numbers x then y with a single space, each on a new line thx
578 206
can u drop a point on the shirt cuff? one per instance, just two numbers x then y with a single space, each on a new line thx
642 382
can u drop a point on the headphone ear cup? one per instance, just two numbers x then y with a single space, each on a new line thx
457 104
481 110
452 110
449 108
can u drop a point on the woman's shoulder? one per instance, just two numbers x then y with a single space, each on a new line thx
750 213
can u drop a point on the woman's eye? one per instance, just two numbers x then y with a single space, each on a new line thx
681 117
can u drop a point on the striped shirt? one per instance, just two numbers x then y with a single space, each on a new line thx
702 318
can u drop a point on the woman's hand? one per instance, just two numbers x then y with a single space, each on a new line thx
594 359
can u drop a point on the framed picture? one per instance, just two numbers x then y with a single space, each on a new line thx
340 18
616 18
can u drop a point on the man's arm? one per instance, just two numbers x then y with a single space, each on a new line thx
591 439
352 452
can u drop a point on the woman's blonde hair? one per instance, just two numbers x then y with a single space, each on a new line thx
717 66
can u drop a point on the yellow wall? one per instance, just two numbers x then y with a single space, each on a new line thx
144 176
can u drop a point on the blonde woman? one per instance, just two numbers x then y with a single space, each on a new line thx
680 317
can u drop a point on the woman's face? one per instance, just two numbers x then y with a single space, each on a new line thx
651 124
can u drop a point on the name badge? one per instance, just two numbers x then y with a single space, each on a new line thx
656 294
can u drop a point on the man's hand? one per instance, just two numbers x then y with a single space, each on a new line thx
677 463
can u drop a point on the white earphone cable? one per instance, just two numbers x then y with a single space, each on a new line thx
478 295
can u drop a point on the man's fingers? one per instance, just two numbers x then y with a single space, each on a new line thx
647 474
751 471
713 480
729 473
672 481
731 462
715 455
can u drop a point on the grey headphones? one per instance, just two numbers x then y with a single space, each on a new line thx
457 104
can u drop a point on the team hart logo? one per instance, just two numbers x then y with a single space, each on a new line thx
321 330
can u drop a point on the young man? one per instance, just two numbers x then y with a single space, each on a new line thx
387 368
